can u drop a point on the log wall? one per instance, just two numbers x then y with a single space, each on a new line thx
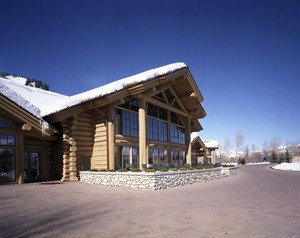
99 157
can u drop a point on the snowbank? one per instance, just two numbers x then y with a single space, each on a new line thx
288 166
258 163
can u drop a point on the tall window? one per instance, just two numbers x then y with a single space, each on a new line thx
7 156
127 119
157 123
177 134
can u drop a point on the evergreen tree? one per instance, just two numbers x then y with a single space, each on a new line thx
287 156
274 158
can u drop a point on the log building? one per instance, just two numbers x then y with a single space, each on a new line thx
144 119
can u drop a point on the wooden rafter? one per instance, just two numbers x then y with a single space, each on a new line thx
164 105
177 99
165 97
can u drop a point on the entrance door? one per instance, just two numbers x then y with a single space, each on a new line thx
32 164
85 163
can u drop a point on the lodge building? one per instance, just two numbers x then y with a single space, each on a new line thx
144 119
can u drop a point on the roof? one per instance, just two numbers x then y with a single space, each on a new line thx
211 144
36 101
173 82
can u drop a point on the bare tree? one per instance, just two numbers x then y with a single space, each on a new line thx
265 149
239 141
274 144
226 147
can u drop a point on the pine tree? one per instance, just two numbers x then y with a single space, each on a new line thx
287 156
274 158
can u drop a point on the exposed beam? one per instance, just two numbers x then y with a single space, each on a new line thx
177 99
165 97
164 105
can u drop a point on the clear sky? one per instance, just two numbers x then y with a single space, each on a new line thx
243 54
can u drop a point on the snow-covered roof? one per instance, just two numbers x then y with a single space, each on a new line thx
211 143
41 103
109 88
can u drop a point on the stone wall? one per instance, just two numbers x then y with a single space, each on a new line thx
155 180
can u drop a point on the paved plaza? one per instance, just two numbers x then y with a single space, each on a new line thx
258 202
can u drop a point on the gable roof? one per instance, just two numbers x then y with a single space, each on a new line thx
109 88
176 77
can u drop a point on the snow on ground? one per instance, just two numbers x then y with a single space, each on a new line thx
258 163
287 166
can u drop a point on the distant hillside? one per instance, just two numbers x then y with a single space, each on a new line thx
26 81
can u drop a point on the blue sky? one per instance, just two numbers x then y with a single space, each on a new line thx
244 54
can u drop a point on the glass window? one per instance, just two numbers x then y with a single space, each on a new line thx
153 156
152 129
7 165
134 124
163 114
163 156
135 105
181 135
135 157
125 123
7 140
31 166
152 110
163 131
126 157
181 157
177 134
174 134
174 157
157 130
174 118
132 105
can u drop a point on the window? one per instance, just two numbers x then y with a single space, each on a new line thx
134 124
7 140
157 112
32 164
177 134
126 123
157 130
7 165
162 131
158 156
132 105
178 157
126 157
152 128
152 110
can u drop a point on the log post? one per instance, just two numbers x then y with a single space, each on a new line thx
142 133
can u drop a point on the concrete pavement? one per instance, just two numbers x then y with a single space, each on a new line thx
258 202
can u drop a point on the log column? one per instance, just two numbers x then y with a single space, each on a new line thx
142 133
66 157
20 159
188 141
111 139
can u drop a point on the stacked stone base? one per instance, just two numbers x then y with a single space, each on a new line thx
156 180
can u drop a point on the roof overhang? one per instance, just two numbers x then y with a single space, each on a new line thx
180 84
25 120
